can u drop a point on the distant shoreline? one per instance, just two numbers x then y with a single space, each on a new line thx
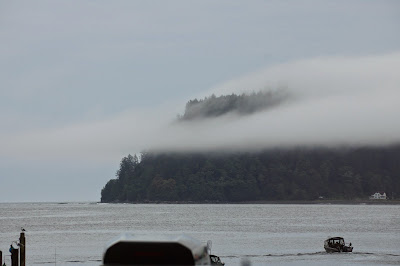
342 202
294 202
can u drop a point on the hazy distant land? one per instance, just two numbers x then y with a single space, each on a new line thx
280 174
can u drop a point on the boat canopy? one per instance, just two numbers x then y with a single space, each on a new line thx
339 240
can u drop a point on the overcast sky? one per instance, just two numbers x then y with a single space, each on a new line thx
84 83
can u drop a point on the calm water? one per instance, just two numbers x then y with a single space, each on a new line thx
256 234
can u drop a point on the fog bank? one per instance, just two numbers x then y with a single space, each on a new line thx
337 101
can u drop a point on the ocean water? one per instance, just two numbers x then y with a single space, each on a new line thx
242 234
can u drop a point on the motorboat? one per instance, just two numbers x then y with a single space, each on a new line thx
337 244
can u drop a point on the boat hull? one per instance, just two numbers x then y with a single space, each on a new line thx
343 249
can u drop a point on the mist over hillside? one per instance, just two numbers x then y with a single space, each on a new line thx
346 172
326 102
332 133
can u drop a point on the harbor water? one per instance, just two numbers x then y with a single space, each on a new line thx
241 234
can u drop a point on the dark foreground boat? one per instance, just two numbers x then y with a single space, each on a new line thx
180 250
336 244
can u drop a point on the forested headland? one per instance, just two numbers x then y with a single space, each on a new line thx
301 174
345 173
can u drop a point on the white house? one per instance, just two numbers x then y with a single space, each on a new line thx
378 196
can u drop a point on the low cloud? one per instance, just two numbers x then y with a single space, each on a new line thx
339 101
106 139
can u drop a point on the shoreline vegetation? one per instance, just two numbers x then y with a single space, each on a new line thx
299 174
289 202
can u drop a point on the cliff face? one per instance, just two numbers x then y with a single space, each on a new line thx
298 174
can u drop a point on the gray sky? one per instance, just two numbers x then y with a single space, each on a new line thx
84 83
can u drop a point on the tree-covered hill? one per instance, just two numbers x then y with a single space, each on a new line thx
280 174
243 104
297 174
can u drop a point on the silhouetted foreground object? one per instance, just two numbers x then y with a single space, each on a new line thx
181 250
22 247
14 254
291 174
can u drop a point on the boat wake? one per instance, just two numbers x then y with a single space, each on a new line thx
377 254
276 255
320 253
67 261
296 254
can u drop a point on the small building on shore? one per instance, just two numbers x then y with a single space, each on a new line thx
378 196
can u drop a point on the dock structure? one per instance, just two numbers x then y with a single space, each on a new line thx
22 248
17 250
14 255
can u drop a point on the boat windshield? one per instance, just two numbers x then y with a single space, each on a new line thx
337 241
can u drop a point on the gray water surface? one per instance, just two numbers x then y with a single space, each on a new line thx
256 234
